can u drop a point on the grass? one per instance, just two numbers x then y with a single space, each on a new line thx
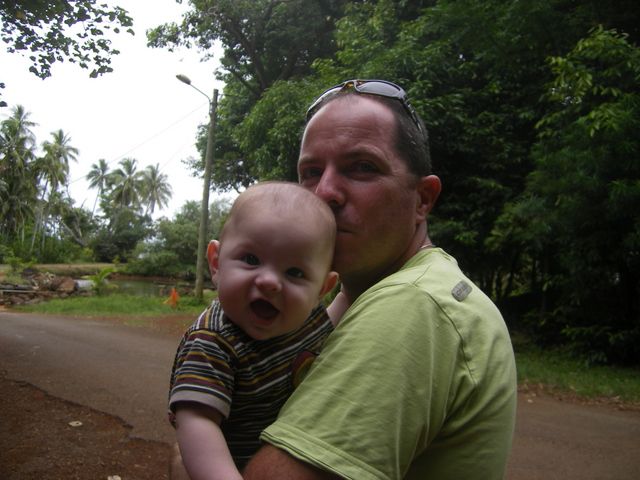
559 372
118 305
556 371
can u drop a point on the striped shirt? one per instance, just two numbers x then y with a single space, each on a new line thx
217 364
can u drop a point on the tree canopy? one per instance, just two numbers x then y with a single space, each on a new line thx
54 31
264 42
531 108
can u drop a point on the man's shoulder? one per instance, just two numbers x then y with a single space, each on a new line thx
434 277
433 271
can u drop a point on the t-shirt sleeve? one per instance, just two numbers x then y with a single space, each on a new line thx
375 396
203 372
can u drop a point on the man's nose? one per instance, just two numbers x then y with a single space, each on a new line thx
268 281
329 188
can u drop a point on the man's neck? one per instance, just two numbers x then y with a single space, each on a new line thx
355 285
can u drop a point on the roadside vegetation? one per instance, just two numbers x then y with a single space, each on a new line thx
558 372
120 304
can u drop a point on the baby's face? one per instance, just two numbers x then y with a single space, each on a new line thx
271 273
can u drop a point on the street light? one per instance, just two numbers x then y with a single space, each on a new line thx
208 163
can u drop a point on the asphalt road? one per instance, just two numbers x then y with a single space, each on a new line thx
116 369
124 371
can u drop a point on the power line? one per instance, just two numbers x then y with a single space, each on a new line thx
146 141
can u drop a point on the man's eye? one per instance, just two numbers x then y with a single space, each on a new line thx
310 172
364 167
295 272
250 259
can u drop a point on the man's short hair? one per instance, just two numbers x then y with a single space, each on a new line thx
411 142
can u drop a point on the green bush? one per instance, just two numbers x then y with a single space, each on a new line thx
162 263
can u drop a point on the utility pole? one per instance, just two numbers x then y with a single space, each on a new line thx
201 263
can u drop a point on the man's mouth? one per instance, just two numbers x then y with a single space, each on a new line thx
264 309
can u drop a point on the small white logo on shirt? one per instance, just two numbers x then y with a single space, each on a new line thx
461 290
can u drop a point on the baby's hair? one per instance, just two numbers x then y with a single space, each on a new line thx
286 199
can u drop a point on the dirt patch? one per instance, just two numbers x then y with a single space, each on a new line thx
38 440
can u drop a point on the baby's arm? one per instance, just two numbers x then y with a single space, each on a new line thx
204 451
337 308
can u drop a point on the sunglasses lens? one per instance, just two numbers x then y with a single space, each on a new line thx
322 97
370 87
381 88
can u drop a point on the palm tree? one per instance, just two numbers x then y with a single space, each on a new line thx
55 162
18 194
98 177
53 168
155 187
125 184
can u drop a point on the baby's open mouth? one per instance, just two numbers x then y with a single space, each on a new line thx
264 309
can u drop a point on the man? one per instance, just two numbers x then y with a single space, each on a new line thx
418 379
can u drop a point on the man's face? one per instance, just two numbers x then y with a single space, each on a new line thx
347 157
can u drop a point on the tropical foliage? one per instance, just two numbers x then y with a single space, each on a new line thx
38 218
532 109
172 250
52 31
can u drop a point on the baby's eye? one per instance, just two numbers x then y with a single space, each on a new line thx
295 272
250 259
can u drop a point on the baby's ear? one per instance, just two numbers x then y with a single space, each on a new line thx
213 252
329 283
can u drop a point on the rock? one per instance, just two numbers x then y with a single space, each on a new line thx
66 285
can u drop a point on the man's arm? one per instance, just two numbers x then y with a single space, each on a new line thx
205 453
271 462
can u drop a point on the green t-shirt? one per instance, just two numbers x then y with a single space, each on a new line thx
418 381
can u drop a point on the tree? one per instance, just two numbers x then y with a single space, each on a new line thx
586 184
17 143
34 199
264 42
475 71
61 30
172 250
125 184
156 190
52 169
98 177
117 239
479 74
78 225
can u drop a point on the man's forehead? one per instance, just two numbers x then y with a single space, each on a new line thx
348 116
350 102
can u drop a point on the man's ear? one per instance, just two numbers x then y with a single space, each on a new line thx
428 190
213 252
329 283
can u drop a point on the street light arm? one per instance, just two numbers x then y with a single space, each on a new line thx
187 80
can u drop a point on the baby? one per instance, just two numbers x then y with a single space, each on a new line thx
235 366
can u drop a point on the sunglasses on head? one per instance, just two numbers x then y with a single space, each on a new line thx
381 88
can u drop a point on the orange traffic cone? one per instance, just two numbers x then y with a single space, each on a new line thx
173 299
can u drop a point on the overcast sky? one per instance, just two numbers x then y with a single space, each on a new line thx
139 110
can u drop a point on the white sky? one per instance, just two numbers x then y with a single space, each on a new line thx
139 110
